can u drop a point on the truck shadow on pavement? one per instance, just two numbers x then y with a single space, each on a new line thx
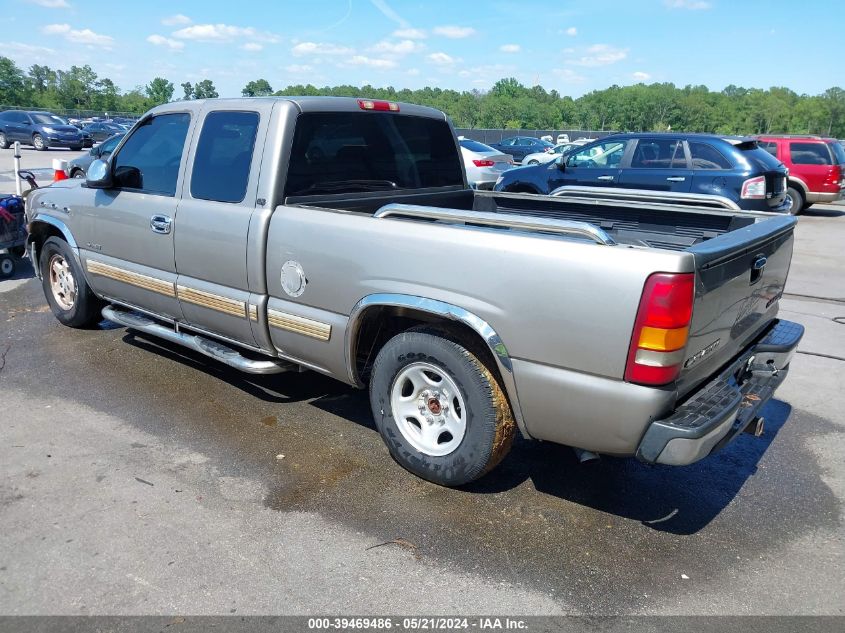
674 499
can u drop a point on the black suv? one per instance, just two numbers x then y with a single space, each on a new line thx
734 168
42 130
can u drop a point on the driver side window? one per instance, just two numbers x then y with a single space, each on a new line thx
149 159
603 155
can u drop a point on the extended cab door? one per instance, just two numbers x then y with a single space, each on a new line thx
659 164
126 231
218 201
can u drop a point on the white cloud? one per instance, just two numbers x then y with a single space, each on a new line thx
371 62
78 36
222 33
571 31
160 40
35 52
454 32
411 34
569 75
176 20
692 5
252 47
413 72
397 48
510 48
299 68
641 76
600 55
320 48
389 13
51 4
442 59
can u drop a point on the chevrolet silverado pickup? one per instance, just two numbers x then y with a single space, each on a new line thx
339 235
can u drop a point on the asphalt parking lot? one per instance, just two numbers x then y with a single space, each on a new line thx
137 478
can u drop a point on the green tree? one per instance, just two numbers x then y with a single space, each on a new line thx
13 84
188 89
159 91
257 88
205 90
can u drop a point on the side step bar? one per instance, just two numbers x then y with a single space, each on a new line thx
212 349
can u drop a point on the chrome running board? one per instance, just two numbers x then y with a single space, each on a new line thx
213 349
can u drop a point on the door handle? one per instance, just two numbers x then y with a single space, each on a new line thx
160 224
676 178
605 178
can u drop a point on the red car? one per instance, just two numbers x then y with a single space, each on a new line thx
816 168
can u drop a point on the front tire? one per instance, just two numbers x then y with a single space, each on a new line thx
438 408
38 142
4 142
7 266
533 162
78 173
76 148
797 201
70 298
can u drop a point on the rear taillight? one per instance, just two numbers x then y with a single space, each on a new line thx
379 106
483 163
661 329
754 188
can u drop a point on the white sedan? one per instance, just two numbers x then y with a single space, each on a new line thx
483 164
539 158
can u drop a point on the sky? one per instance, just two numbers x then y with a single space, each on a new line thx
573 46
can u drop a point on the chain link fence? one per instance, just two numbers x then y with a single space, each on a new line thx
488 136
75 114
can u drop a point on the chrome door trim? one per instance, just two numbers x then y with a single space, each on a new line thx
299 325
146 282
448 311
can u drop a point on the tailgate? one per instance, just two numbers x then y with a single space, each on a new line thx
740 276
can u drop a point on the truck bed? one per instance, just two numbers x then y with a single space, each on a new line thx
646 224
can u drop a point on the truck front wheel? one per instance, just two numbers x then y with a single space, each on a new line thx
71 300
438 408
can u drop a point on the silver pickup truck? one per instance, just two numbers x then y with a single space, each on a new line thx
339 235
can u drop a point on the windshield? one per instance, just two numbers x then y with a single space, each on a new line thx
343 152
48 119
475 146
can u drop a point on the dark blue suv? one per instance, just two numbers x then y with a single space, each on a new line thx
734 168
42 130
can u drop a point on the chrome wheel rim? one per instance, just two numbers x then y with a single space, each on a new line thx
428 408
38 142
62 282
6 266
2 139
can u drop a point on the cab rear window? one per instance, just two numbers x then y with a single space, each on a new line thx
345 152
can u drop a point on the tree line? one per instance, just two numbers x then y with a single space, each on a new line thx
508 104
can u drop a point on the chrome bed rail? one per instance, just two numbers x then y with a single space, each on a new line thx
710 201
504 220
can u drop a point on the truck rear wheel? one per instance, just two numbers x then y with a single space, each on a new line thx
71 300
438 408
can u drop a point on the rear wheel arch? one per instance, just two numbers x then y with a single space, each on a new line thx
378 318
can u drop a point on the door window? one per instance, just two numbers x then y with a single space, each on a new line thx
603 155
706 157
809 154
659 153
223 157
149 159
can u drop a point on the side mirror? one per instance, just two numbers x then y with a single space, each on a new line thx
98 175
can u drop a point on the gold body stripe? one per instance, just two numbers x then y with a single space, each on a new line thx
253 312
212 301
135 279
300 325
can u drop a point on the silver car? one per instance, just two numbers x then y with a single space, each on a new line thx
483 164
540 158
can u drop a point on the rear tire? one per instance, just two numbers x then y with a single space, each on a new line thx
7 266
533 162
38 142
76 148
70 298
797 201
438 408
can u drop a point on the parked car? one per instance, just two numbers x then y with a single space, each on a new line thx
547 157
87 141
816 167
520 146
102 131
562 138
468 314
482 163
733 168
42 130
78 167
